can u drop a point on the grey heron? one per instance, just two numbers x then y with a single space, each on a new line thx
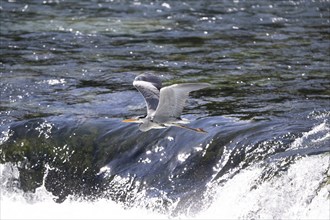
164 105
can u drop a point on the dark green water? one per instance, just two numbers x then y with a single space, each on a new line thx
66 76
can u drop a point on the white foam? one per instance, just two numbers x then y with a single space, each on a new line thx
298 193
317 134
102 209
295 194
18 207
15 204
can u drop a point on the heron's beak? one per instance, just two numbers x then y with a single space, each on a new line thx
130 120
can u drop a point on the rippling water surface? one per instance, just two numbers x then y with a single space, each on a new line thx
66 83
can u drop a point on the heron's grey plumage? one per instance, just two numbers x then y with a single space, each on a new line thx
164 105
173 99
149 86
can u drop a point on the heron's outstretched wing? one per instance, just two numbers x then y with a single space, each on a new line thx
173 98
149 86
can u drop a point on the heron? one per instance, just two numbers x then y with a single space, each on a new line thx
164 104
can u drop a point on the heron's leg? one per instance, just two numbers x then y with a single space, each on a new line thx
199 130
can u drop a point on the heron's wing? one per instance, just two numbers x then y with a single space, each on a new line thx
173 98
150 93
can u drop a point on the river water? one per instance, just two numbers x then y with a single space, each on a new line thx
66 76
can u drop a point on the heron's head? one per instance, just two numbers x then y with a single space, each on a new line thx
145 126
144 123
